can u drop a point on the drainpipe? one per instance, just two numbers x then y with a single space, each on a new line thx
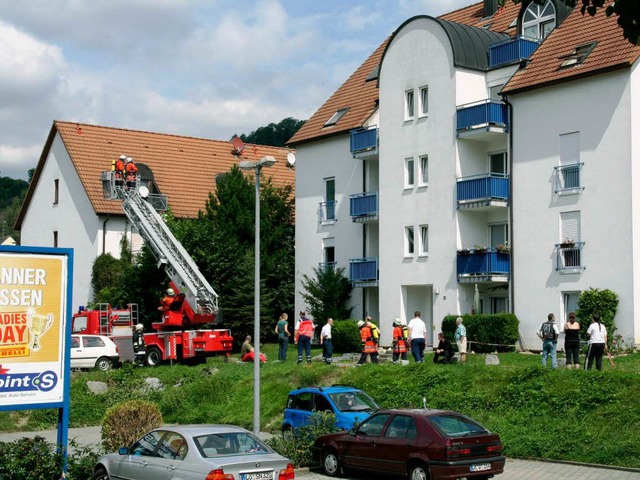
104 235
364 236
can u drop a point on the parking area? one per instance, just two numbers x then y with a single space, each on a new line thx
522 470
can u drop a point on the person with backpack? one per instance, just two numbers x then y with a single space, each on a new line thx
399 341
369 343
597 334
548 333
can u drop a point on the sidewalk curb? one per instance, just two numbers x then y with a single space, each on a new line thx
578 464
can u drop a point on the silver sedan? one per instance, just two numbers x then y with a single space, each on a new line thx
195 452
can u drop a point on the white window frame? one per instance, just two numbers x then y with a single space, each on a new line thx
541 19
423 246
569 168
409 105
423 101
409 173
423 170
567 305
409 241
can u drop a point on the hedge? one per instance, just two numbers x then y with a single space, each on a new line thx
487 333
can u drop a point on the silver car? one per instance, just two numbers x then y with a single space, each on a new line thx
195 452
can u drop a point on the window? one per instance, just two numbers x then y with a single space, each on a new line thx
329 257
401 426
570 226
539 20
499 304
424 101
568 172
424 240
56 191
424 170
498 163
409 112
92 342
569 304
329 204
55 238
498 234
409 247
147 444
577 55
570 247
409 177
372 427
335 118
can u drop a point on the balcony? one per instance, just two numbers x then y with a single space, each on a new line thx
482 266
482 121
327 212
363 207
364 143
325 267
483 191
569 257
567 179
363 272
512 50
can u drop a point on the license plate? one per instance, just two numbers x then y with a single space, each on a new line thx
258 476
480 467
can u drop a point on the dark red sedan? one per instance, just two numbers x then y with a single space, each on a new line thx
421 444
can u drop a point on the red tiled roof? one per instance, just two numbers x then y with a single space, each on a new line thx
611 52
359 95
184 168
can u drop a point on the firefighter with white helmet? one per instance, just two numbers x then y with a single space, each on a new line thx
166 302
131 172
139 347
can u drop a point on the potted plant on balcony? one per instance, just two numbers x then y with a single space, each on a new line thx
464 251
479 249
503 249
567 243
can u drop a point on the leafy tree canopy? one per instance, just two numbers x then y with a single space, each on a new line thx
628 12
327 295
275 135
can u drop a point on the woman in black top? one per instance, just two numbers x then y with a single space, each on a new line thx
572 341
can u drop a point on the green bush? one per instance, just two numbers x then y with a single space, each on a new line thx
597 302
345 336
487 332
297 448
124 423
37 459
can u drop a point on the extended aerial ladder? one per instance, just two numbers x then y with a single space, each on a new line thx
200 300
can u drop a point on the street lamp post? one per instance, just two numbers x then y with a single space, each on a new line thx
257 166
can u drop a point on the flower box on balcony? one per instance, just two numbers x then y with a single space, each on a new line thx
567 245
464 251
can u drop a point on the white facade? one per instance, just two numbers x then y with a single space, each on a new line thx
71 219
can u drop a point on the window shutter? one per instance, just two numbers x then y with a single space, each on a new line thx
570 148
570 225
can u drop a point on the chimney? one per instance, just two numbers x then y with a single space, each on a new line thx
490 7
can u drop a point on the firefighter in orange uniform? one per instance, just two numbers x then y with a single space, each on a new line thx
399 342
131 172
119 169
369 343
166 302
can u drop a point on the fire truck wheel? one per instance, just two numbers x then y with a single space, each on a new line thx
103 363
154 357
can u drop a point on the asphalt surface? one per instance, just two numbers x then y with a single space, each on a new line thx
514 469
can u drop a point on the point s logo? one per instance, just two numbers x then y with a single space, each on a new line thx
28 382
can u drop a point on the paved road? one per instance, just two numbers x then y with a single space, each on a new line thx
514 469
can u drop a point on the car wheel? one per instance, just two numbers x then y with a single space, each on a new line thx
331 462
154 357
287 433
103 363
419 471
100 474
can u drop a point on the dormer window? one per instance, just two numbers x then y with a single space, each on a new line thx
577 55
539 20
335 118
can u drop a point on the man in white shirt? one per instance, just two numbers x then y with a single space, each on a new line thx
325 339
417 337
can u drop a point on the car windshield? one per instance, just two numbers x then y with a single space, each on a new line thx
353 402
456 426
231 443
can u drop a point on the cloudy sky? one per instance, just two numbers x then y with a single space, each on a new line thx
202 68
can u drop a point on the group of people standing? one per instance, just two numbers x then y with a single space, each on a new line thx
304 330
126 172
597 346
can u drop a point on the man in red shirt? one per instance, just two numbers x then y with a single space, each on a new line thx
304 334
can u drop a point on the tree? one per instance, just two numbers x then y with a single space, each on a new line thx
327 294
628 12
273 134
597 302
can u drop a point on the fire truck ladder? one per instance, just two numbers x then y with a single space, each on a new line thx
178 264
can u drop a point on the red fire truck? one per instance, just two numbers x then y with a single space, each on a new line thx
177 336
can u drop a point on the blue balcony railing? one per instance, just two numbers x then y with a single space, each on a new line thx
486 262
511 50
328 211
488 186
569 256
363 269
364 140
483 114
363 204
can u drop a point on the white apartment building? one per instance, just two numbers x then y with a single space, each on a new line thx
496 154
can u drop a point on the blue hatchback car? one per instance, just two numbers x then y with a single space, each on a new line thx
347 403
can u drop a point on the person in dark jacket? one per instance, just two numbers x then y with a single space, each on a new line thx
443 353
139 347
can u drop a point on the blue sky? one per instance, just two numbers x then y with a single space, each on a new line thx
202 68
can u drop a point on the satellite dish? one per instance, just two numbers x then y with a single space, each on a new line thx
238 145
291 159
143 191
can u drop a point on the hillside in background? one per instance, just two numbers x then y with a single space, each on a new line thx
12 194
